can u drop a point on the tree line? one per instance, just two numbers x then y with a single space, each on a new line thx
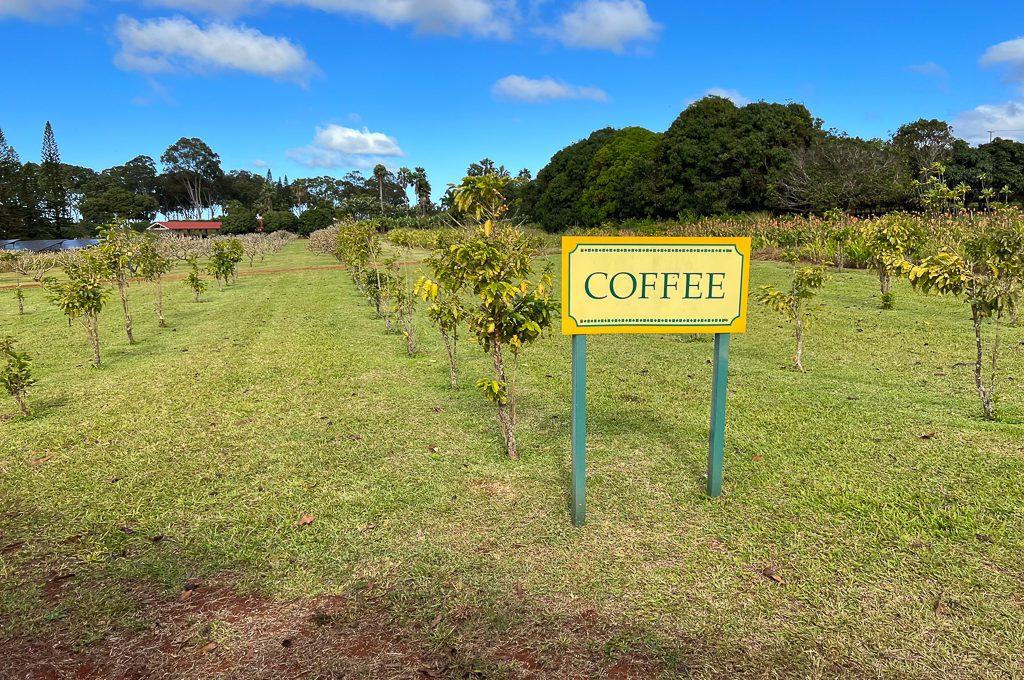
718 158
52 199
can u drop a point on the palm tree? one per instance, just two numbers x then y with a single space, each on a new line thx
404 177
380 172
422 189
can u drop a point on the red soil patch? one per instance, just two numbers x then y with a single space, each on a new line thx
216 632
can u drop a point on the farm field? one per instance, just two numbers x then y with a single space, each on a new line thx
270 484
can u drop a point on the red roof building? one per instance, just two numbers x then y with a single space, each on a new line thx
186 227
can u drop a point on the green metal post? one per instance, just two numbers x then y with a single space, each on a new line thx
579 429
716 446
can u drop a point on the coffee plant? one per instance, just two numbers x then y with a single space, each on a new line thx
16 373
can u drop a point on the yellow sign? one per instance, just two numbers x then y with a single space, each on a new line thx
628 284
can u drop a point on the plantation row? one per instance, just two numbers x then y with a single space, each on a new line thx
975 256
122 256
491 259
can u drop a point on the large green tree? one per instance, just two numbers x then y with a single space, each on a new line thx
923 142
553 199
193 165
17 203
717 157
1004 159
613 186
53 184
124 192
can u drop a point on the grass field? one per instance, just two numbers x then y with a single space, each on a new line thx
891 515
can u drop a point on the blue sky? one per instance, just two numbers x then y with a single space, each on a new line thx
312 87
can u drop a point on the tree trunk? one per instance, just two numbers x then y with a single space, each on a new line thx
22 402
21 299
160 303
92 329
410 333
451 344
508 429
984 393
885 282
799 355
195 292
122 289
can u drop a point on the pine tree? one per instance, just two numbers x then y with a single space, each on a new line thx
53 183
13 211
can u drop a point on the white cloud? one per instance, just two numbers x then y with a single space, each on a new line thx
929 69
161 45
39 9
1009 53
352 141
336 146
1005 120
733 95
478 17
606 25
258 163
521 88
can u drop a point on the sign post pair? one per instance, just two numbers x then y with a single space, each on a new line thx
652 285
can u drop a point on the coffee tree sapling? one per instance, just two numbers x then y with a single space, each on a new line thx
889 240
406 293
152 265
83 294
839 234
511 311
235 253
119 247
405 299
195 283
385 284
224 258
796 305
16 373
984 270
442 291
355 240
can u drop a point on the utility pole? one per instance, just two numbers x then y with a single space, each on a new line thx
991 131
